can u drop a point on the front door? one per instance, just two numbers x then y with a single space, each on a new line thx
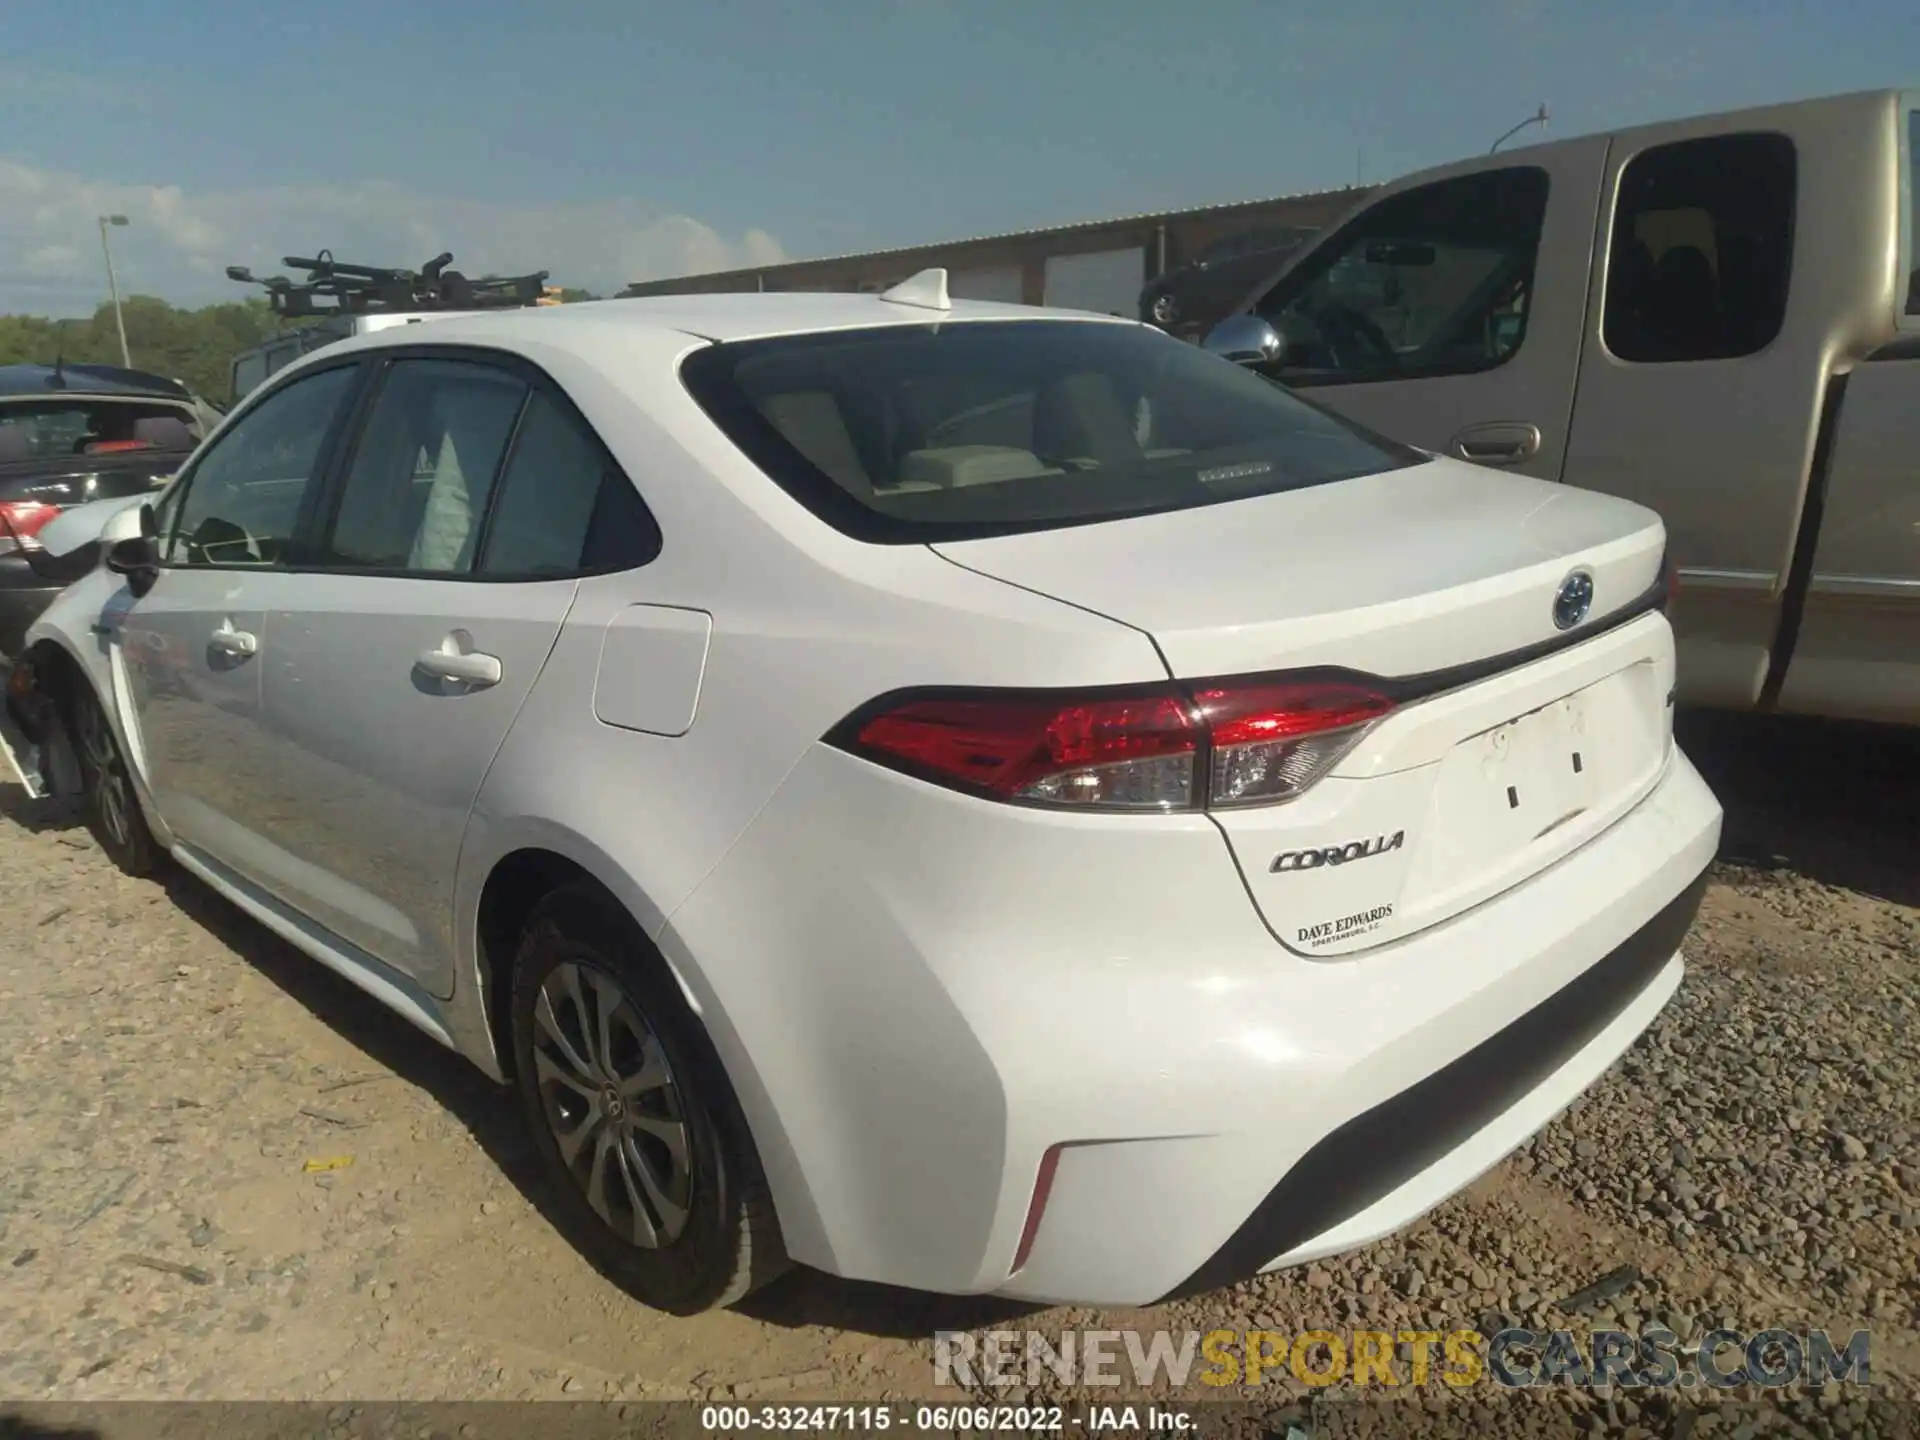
400 660
1448 313
188 656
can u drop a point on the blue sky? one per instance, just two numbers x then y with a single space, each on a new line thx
610 139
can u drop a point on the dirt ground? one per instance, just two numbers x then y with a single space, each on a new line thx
226 1174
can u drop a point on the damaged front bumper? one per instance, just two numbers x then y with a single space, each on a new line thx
32 723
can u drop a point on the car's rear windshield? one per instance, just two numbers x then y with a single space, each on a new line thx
39 429
917 433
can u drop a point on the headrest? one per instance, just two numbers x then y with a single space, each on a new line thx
811 422
957 465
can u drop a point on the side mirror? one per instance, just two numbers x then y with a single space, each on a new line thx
149 521
138 559
1246 340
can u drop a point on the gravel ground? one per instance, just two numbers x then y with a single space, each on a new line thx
228 1175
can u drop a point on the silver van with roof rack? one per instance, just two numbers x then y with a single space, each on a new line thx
341 301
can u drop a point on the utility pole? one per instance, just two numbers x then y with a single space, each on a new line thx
113 286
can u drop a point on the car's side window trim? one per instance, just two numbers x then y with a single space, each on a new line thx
353 427
507 451
323 459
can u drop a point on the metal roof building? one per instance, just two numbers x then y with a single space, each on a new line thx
1098 265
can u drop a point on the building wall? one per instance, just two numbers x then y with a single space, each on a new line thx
1166 241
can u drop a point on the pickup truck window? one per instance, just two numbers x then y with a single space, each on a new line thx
1701 253
1432 281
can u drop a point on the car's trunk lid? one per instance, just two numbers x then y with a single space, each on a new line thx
1523 738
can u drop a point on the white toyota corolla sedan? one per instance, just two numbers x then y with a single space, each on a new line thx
973 797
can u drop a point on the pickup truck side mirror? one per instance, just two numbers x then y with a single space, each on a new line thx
137 558
1246 340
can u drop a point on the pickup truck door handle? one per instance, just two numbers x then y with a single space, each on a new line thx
229 641
1499 443
470 668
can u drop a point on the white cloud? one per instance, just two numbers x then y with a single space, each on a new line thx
179 243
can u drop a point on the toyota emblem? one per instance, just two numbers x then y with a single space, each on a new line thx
1573 602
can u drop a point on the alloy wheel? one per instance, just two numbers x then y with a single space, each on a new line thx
612 1102
112 784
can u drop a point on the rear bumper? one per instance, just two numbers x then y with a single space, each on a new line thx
919 995
1385 1168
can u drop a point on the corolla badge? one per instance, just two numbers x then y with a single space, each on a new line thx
1574 600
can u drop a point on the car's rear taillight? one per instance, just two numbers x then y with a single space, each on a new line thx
1167 747
1272 741
1131 753
23 519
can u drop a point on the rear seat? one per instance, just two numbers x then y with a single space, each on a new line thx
812 422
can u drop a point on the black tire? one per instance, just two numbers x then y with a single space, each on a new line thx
580 946
113 803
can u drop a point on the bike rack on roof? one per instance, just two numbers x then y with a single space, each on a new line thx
335 288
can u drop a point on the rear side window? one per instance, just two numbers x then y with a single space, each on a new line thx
915 433
1702 250
564 507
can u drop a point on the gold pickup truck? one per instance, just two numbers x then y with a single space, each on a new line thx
1718 317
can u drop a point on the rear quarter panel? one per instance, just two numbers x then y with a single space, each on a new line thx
805 626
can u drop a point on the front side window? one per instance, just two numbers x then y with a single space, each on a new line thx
242 499
417 489
915 433
1702 250
1432 281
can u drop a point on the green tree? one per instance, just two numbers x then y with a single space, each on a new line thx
195 347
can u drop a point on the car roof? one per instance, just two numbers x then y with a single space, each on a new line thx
93 381
749 316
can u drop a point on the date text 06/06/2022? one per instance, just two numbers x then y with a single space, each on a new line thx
944 1419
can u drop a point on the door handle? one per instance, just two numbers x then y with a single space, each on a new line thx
1500 443
229 641
471 668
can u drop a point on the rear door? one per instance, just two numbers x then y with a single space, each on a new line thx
456 535
1448 312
